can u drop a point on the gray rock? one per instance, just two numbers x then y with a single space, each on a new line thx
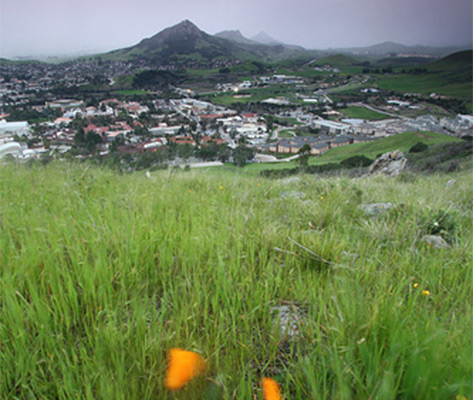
451 182
287 319
435 241
293 179
390 164
375 209
292 194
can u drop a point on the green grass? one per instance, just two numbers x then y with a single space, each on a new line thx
255 95
101 273
130 92
286 133
403 141
426 84
363 113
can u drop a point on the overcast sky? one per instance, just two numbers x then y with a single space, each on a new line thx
58 27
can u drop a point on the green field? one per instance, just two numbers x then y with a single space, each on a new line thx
102 273
426 84
254 95
363 113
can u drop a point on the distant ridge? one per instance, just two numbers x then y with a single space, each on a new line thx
388 47
236 36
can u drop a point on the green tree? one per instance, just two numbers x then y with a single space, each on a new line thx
242 155
303 160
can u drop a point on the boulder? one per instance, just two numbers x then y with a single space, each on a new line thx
390 164
435 241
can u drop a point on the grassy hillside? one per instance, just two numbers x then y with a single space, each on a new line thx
102 273
403 142
451 76
363 113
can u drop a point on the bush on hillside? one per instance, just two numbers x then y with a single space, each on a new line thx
356 161
418 147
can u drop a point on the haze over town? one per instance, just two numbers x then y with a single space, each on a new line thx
50 27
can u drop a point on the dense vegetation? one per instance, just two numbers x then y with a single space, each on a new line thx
101 273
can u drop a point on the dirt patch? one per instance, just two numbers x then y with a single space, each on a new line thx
422 135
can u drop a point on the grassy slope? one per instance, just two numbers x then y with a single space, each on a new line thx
102 273
450 76
363 113
403 142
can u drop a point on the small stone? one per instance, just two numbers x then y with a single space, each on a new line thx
451 182
288 321
435 241
376 208
292 194
292 179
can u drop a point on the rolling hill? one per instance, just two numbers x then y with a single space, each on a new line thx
388 47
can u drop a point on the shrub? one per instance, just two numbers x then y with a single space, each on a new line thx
356 161
418 147
440 222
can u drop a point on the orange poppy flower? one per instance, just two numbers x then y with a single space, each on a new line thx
183 366
271 389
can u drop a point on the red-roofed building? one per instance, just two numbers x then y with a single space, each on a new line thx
208 140
183 140
250 117
210 116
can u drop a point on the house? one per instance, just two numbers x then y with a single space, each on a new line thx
182 140
319 148
62 121
209 140
164 129
19 128
330 126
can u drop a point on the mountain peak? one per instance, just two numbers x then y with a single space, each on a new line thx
264 38
184 30
234 35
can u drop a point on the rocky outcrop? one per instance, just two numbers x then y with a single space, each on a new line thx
390 164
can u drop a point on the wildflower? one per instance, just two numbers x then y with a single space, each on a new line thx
321 197
425 292
183 366
416 285
221 187
271 389
460 397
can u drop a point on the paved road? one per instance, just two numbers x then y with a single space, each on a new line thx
265 158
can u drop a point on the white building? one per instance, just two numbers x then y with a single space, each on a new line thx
330 126
19 128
